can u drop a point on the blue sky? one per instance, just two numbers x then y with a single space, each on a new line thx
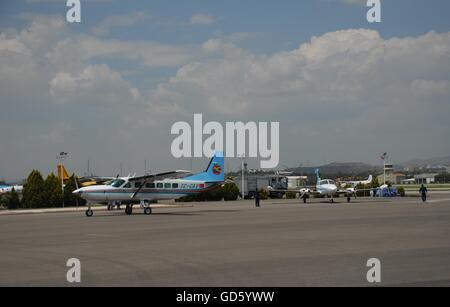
285 22
131 69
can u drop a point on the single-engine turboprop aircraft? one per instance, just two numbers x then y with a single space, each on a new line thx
161 186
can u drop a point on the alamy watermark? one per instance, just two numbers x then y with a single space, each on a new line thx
74 273
374 13
190 142
74 12
374 273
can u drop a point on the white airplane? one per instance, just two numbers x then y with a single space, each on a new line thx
328 188
8 189
162 186
324 187
355 183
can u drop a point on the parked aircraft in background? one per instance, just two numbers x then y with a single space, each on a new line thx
82 181
8 189
161 186
354 183
323 187
328 188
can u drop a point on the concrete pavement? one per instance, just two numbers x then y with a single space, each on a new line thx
283 243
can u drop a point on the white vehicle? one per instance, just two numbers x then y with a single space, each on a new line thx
148 188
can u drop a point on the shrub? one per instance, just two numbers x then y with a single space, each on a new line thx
291 195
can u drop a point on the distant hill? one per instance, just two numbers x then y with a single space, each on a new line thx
427 162
339 168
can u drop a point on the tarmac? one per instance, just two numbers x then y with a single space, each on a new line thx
225 244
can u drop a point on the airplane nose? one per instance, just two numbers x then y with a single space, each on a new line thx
77 192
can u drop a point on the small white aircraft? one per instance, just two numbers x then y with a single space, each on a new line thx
324 187
355 182
328 188
161 186
4 189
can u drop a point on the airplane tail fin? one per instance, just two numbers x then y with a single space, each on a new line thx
62 173
215 172
317 175
370 179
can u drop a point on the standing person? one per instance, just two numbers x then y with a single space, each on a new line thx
257 198
423 191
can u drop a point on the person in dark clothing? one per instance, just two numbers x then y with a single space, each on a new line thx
423 191
257 198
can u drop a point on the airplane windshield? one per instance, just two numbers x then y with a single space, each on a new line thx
117 183
323 182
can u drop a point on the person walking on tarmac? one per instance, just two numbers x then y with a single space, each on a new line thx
257 198
423 191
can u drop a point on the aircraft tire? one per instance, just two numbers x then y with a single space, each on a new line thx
148 211
128 210
89 212
348 199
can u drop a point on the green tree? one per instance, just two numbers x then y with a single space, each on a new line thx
13 202
34 191
230 192
71 199
53 193
375 183
291 195
443 178
263 194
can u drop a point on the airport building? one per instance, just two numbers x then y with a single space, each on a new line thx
426 178
391 176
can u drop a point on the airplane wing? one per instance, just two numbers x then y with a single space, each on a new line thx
160 176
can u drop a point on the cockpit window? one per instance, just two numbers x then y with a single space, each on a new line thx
322 182
117 183
127 186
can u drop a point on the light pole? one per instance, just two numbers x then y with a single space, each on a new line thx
61 157
242 157
384 157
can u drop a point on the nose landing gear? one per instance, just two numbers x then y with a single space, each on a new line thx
89 212
146 206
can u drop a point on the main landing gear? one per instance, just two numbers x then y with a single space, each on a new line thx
145 205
